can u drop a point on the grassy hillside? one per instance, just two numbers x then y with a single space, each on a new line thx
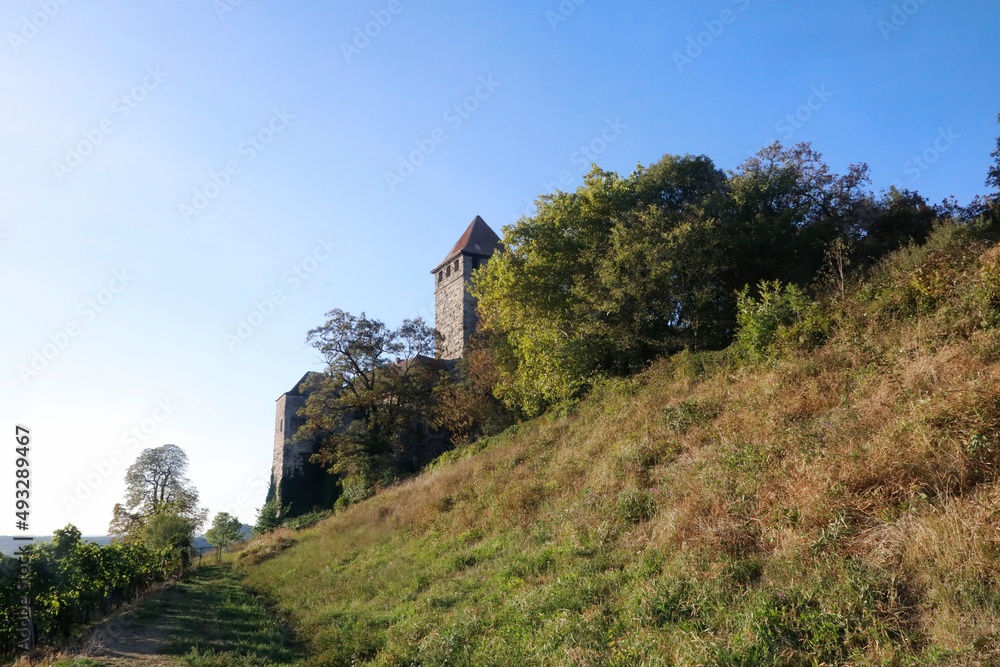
829 505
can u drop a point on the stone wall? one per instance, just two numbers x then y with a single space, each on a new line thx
454 308
297 482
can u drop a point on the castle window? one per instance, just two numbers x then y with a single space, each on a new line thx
282 427
448 271
475 263
456 266
440 277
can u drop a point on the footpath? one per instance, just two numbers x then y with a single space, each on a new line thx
205 620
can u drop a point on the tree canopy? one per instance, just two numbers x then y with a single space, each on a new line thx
157 484
377 388
602 280
226 529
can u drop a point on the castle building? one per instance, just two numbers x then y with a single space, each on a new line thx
302 484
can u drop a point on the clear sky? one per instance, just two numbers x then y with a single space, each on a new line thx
167 169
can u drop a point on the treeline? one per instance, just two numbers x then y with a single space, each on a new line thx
71 583
603 280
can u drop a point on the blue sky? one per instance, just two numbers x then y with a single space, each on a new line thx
167 169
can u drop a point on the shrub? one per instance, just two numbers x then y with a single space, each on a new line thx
777 310
268 517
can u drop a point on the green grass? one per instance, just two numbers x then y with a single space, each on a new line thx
836 505
208 619
213 620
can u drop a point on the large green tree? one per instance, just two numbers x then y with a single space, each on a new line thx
376 392
157 484
601 280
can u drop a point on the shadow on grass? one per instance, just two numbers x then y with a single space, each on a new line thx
210 619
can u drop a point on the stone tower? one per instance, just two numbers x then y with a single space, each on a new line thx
454 307
297 482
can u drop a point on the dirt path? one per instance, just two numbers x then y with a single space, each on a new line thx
135 636
208 614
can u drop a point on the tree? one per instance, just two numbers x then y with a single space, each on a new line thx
993 179
602 280
584 286
269 517
168 530
225 530
897 218
156 484
376 392
466 406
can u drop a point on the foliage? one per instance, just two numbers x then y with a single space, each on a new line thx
156 484
897 218
73 582
225 530
466 406
304 521
269 517
993 178
377 390
603 280
779 314
168 530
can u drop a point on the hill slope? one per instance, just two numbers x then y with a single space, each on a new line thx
832 505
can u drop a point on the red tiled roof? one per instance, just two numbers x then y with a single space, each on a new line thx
478 239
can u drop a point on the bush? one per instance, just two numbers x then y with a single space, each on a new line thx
779 314
268 517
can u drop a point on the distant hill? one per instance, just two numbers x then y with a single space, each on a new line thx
8 546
